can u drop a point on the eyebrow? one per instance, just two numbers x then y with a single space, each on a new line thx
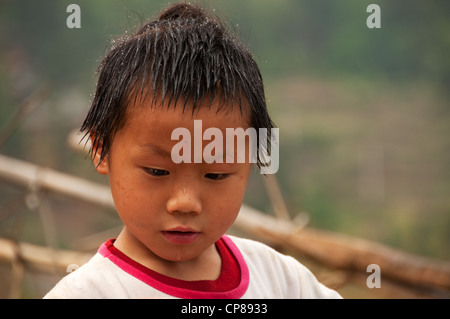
156 149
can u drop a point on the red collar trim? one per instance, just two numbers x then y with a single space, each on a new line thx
232 282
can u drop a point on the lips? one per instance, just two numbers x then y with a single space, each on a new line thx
181 235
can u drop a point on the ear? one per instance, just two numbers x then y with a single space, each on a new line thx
103 166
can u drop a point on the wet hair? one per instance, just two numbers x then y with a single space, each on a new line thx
185 55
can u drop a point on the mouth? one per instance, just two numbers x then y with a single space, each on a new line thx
181 236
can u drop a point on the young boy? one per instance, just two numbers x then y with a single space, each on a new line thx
181 68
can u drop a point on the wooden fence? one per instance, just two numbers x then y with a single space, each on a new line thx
336 251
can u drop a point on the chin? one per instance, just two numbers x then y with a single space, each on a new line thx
179 255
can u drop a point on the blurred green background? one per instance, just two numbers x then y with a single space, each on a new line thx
364 114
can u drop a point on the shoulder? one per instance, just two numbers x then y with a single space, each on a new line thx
250 245
282 274
259 253
88 281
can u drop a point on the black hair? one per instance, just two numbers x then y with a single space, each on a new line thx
187 55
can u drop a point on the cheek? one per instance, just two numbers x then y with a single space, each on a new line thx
227 204
222 219
131 196
122 187
124 198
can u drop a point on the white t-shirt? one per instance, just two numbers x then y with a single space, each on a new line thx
264 273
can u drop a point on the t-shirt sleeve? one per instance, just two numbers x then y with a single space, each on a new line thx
299 281
90 281
310 287
275 275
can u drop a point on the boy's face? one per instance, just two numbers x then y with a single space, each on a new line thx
177 211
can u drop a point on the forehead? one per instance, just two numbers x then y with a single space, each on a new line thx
214 113
151 128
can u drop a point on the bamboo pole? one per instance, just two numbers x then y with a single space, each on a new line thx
41 258
345 252
34 177
335 250
275 196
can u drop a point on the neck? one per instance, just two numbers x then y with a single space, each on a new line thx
207 266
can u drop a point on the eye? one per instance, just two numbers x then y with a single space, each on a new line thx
156 172
216 176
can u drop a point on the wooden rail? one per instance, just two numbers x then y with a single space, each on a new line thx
331 249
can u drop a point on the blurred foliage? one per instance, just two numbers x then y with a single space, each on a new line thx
290 37
341 93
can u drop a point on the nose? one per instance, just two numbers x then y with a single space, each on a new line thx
184 200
